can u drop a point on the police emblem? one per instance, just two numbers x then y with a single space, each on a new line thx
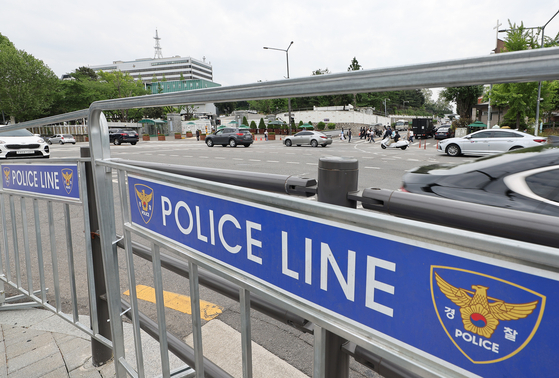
491 322
7 176
145 201
68 175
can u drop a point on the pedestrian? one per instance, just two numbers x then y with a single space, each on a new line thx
371 136
342 134
197 134
410 135
349 136
266 135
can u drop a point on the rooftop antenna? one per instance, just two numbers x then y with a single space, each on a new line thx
158 54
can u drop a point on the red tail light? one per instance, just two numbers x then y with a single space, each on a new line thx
402 189
540 140
239 134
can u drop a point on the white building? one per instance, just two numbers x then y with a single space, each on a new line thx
159 68
168 68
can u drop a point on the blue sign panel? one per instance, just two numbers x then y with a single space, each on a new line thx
486 316
54 180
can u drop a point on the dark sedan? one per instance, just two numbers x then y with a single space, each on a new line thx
444 132
525 179
119 136
230 136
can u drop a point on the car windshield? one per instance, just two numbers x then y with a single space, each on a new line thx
16 133
67 136
443 130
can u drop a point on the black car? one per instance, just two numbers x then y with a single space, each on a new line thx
444 132
526 179
119 136
231 136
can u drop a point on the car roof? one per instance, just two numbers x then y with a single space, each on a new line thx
511 161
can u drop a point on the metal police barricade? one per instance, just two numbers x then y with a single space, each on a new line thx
53 188
427 299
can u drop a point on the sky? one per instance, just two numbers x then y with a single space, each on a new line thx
230 35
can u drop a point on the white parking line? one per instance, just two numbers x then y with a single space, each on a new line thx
254 160
272 161
373 167
219 158
292 162
238 159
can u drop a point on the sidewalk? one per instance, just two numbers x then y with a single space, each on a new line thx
37 343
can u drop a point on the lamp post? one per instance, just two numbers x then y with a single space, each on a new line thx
539 83
288 99
385 114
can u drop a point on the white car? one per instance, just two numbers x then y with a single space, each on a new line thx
487 142
61 139
22 144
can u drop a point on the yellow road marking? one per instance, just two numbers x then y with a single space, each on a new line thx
178 302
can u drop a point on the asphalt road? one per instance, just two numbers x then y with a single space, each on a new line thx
377 168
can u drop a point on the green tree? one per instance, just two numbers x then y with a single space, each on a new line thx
521 98
354 66
253 124
122 84
261 124
245 121
464 97
26 83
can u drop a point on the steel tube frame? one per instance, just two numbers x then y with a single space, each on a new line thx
524 66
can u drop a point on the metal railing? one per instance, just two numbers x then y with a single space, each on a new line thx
523 66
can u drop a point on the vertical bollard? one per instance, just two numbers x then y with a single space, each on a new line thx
336 177
100 353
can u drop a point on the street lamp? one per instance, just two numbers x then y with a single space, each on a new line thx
539 83
287 60
385 114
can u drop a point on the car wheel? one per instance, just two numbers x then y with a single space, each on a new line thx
288 143
383 146
314 143
133 143
232 143
404 147
209 143
223 145
323 145
74 143
49 142
453 150
116 142
60 142
246 145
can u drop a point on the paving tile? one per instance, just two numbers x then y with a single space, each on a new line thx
30 342
75 351
40 367
36 355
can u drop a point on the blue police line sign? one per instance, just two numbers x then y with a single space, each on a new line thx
489 317
55 180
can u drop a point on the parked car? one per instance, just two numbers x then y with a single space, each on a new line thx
526 180
306 137
444 132
22 144
231 136
119 136
61 139
489 141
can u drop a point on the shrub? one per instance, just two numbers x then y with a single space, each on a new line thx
261 124
301 122
252 124
321 125
331 126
